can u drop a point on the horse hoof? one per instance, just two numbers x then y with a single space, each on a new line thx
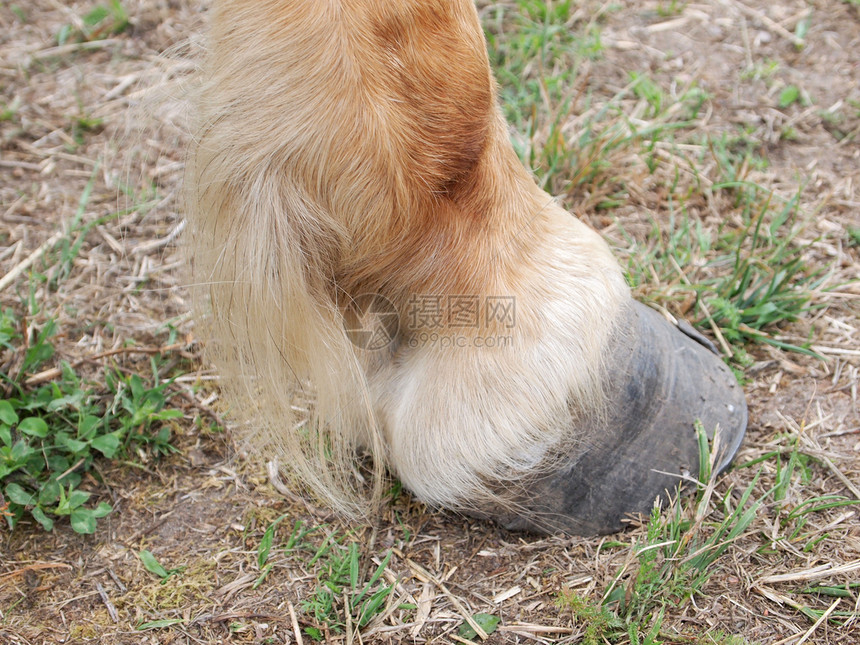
661 378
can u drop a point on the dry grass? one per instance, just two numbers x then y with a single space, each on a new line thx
206 509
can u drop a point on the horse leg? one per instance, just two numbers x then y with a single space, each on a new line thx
352 152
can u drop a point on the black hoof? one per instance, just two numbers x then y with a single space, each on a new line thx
660 379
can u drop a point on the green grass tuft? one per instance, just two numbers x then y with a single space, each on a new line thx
680 552
348 592
744 278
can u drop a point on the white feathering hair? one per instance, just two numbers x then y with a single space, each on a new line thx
346 147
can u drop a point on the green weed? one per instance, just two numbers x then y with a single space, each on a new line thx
536 53
9 110
802 29
263 551
646 89
51 434
18 12
102 21
344 594
338 574
487 622
677 556
58 260
794 516
744 282
764 69
789 96
82 125
793 513
159 624
848 590
152 565
769 284
672 8
600 623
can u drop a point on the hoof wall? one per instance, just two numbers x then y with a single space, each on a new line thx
660 379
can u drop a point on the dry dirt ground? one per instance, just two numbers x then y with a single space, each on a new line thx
206 508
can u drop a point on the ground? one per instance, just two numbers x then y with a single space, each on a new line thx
90 228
